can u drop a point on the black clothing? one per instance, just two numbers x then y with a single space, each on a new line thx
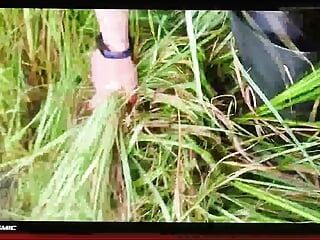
267 58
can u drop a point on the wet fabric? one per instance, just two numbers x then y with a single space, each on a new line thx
271 65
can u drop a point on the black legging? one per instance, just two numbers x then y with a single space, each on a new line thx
257 54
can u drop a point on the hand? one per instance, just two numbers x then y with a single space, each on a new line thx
111 75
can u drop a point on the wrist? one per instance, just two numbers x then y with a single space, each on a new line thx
112 53
114 29
114 42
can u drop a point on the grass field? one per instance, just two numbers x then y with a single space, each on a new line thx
192 150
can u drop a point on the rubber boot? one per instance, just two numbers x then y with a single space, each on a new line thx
268 62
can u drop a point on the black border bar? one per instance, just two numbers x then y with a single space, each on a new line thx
155 4
163 228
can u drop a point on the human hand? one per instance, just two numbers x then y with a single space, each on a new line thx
111 75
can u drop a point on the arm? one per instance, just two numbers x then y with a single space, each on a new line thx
110 75
114 28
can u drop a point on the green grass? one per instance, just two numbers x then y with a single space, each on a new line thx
184 154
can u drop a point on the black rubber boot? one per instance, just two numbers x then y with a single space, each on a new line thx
268 61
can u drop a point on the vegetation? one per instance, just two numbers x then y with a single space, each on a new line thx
194 148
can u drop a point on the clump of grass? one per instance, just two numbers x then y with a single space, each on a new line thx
182 154
83 166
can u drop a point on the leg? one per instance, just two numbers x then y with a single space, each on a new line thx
268 61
